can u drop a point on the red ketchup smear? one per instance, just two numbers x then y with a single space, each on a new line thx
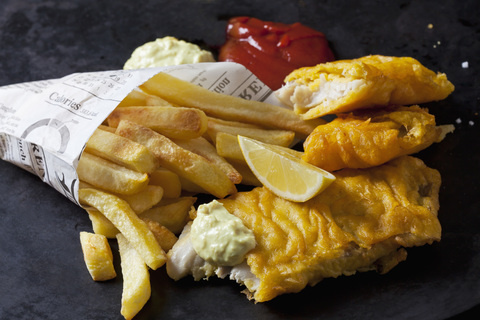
272 50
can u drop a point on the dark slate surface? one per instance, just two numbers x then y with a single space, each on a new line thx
42 274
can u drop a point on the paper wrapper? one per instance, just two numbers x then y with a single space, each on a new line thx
44 125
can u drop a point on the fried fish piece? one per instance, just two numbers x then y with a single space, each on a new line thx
375 80
370 138
362 222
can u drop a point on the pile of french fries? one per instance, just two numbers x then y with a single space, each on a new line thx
166 142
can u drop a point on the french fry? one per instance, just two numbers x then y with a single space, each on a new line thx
136 97
109 176
173 122
98 256
140 201
106 128
204 148
171 213
128 223
248 178
155 101
179 160
278 137
145 199
101 224
234 124
191 187
165 237
227 146
122 151
136 279
169 181
227 107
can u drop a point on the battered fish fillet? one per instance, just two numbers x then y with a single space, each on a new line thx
372 137
360 222
375 80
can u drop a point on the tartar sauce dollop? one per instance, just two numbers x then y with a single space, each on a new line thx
219 237
167 51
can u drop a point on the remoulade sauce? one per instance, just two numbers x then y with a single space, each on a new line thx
272 50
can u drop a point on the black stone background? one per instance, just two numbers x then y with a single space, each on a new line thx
42 273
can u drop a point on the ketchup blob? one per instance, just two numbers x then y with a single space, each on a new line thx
272 50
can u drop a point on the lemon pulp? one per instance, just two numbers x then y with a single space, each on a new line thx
282 171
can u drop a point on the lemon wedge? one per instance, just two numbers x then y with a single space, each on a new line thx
283 172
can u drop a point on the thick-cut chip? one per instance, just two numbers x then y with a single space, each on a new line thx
204 148
136 279
165 237
134 98
155 101
121 151
140 98
179 160
282 138
106 128
227 146
109 176
191 187
140 201
144 199
101 224
98 256
173 122
128 223
227 107
171 213
235 124
248 177
169 181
